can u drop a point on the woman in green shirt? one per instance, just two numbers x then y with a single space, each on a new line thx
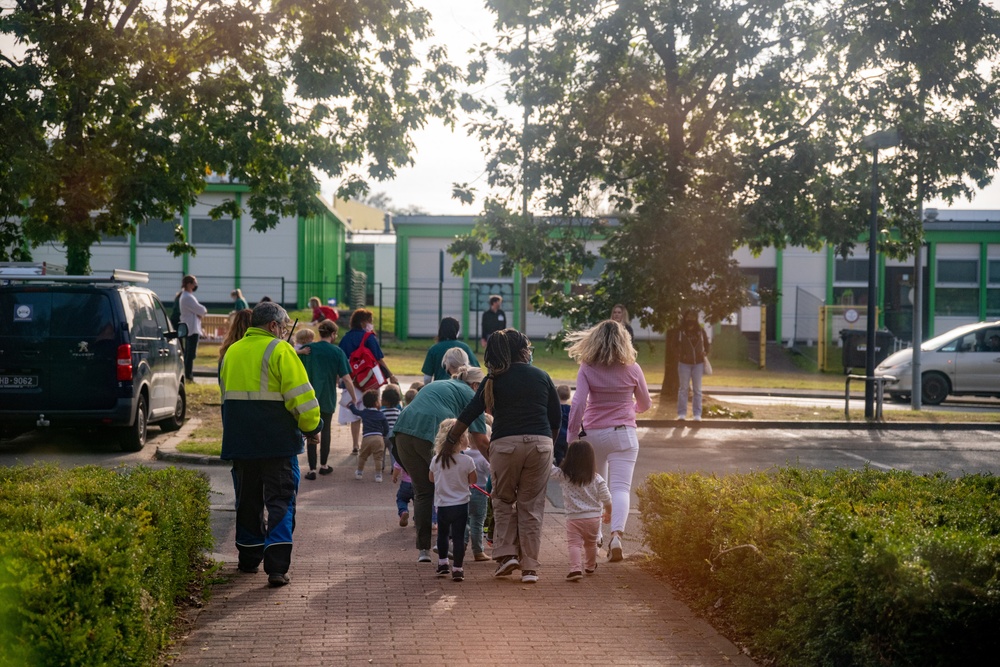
433 368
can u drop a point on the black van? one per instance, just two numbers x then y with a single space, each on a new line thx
89 351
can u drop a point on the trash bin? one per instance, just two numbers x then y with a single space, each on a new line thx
855 347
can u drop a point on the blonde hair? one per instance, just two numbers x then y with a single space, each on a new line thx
604 344
468 374
237 328
303 336
314 302
445 450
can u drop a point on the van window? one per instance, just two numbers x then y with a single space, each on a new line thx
48 314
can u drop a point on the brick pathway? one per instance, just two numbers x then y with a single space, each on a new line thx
358 596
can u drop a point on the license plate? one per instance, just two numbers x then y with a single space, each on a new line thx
18 381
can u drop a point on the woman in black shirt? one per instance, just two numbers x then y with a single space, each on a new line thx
526 420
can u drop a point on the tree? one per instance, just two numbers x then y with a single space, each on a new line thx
122 108
709 124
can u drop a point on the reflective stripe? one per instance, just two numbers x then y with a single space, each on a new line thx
253 396
306 407
298 391
264 375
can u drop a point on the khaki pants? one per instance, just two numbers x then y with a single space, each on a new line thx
519 466
374 446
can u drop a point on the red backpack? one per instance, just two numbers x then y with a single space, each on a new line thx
365 371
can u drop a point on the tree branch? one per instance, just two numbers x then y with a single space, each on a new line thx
126 15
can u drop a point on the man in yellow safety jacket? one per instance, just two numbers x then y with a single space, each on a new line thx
267 405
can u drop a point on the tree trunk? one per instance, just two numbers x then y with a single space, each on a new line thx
77 255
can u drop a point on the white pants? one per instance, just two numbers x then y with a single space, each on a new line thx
616 450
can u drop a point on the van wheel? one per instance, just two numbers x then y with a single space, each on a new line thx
132 438
935 388
176 420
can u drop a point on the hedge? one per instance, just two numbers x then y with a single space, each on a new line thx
92 561
837 568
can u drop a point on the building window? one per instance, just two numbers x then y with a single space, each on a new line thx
108 239
850 271
957 288
993 289
485 280
157 232
205 231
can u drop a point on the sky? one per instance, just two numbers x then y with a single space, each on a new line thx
444 156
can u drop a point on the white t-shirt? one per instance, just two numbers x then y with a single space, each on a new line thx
451 484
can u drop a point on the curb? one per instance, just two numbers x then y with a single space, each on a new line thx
750 425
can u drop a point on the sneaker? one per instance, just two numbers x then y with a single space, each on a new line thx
589 571
443 570
615 550
457 574
507 565
404 518
575 575
378 477
480 556
698 418
424 557
529 577
311 474
358 474
325 470
248 569
680 418
275 580
354 452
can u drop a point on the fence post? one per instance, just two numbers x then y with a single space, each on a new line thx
763 337
821 351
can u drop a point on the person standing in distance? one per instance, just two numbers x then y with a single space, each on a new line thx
267 404
494 319
191 313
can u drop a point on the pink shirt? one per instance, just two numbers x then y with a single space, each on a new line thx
607 396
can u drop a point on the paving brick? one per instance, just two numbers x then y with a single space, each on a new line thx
358 596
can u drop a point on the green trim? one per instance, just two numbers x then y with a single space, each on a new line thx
238 242
984 278
300 272
186 259
831 261
779 280
402 286
515 290
132 252
931 288
965 236
466 295
880 321
226 187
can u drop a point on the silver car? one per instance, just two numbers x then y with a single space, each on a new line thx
965 360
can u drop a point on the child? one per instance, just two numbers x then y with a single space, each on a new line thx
374 429
451 473
303 337
411 394
477 505
390 408
585 493
404 494
559 449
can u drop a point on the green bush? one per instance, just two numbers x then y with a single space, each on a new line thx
93 560
837 568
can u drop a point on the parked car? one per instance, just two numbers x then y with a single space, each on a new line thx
89 351
963 361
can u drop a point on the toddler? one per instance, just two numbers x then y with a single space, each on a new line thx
390 408
404 494
585 494
559 449
477 504
374 429
451 473
303 337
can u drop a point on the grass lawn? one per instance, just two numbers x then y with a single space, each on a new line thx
407 359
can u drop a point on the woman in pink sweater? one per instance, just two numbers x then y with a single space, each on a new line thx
610 391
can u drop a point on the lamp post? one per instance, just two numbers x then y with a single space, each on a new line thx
881 139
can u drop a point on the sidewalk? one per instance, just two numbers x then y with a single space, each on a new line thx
358 596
